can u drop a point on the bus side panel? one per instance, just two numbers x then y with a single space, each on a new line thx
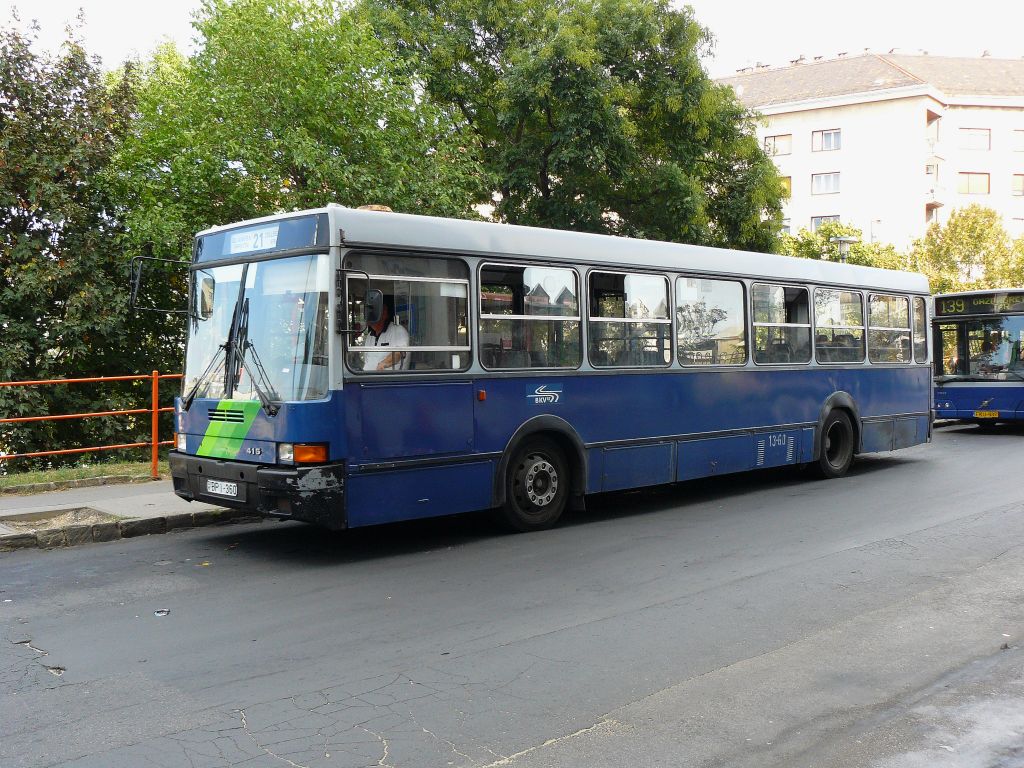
877 436
637 466
388 497
405 420
714 456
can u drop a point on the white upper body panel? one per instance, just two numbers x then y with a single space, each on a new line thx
429 233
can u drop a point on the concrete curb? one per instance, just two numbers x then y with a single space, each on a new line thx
73 535
82 482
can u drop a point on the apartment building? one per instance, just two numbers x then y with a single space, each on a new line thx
891 143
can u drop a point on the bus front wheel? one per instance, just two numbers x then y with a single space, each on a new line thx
536 486
836 453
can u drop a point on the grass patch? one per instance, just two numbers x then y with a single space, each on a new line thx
80 472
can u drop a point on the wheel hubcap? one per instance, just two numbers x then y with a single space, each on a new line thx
540 481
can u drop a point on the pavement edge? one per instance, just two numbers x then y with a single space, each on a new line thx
73 535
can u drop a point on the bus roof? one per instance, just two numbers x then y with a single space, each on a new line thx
981 292
401 230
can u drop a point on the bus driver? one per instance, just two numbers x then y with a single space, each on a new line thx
382 334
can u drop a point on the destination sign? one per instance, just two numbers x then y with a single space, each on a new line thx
289 234
980 304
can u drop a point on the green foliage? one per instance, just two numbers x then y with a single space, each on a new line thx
971 251
63 311
818 245
287 104
594 115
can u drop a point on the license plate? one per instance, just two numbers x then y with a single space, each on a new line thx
222 488
986 414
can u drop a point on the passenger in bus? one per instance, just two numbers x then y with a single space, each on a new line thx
387 332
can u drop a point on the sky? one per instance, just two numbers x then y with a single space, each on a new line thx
746 33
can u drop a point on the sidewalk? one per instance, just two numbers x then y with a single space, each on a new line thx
100 513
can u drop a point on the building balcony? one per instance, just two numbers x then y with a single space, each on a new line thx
934 150
935 195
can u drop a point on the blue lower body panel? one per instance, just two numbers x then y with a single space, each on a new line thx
966 399
409 494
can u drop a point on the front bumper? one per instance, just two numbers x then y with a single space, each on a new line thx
313 494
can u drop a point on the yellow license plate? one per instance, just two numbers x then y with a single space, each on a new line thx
986 414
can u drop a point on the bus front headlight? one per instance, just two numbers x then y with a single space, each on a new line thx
285 453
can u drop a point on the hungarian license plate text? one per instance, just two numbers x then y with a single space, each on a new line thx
222 488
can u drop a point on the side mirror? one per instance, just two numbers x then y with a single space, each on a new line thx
373 309
206 289
144 295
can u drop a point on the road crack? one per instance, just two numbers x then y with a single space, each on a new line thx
251 735
383 762
605 723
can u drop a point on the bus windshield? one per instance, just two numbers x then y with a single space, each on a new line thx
280 327
988 349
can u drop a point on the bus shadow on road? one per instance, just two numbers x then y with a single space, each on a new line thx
313 546
970 429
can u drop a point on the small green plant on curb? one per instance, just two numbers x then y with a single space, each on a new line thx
64 474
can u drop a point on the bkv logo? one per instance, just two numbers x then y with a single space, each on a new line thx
545 394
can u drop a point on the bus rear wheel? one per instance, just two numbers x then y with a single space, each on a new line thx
836 453
537 485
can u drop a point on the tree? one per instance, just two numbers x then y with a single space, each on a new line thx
819 245
971 251
287 104
63 310
594 115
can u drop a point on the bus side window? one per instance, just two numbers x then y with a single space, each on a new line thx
529 317
782 327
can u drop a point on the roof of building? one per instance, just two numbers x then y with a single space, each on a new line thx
870 72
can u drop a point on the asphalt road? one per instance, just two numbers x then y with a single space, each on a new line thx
760 620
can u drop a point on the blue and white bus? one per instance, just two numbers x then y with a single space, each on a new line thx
979 374
354 367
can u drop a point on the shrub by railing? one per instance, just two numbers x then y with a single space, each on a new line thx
154 409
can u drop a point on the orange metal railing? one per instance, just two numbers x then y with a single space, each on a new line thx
154 409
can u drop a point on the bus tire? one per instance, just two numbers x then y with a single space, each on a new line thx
836 453
537 486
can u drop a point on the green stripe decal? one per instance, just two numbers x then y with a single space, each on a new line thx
224 439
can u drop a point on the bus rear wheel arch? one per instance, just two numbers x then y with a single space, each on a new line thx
837 445
538 484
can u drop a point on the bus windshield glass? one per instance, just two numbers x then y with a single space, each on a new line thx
988 349
280 328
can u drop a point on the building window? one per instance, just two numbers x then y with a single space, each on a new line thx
932 170
972 183
786 227
779 145
1018 140
975 138
817 221
825 183
1018 184
826 141
787 185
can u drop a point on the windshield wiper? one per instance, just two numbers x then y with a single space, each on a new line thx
242 348
186 403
